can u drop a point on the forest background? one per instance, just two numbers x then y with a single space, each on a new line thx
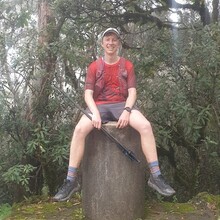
175 47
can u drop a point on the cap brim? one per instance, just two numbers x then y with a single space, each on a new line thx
111 30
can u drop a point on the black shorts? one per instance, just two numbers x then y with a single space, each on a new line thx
111 112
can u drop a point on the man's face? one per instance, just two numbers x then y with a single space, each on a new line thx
110 43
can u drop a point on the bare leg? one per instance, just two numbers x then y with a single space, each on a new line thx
82 129
77 147
143 126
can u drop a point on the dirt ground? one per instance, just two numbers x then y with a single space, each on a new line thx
202 207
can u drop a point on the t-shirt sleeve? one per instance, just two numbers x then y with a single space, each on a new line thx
90 77
131 81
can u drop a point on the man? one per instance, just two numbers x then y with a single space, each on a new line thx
111 95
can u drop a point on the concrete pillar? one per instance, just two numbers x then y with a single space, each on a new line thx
113 186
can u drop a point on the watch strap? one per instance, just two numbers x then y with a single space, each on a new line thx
127 109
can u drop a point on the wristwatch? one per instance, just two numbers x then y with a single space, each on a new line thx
127 109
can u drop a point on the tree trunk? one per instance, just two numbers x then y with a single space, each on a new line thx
47 59
215 12
41 84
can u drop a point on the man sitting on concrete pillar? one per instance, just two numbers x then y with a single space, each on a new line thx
110 95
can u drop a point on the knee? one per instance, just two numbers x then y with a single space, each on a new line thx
146 127
80 131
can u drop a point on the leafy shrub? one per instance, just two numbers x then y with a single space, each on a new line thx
19 174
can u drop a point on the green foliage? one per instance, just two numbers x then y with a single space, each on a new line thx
182 102
39 140
49 146
5 211
19 174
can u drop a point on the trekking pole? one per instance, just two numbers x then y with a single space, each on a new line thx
130 154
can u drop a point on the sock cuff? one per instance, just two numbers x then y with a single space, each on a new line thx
153 164
72 169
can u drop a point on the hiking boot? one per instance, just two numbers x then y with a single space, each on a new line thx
160 185
66 190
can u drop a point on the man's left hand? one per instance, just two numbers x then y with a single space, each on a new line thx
123 120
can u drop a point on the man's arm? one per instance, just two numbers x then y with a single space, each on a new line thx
96 119
132 96
124 118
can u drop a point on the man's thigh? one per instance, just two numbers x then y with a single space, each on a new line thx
137 120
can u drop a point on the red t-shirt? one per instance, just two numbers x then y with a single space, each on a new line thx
113 84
